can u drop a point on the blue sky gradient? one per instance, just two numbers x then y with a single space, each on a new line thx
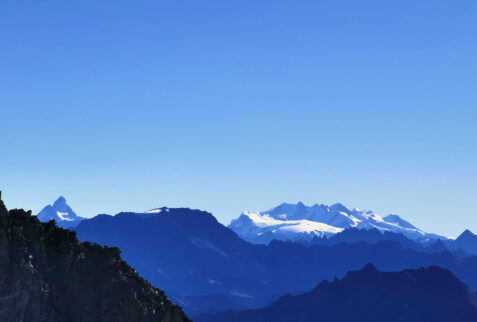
229 106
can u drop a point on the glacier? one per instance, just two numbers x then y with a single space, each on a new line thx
295 222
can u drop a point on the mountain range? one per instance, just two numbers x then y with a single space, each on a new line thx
190 255
426 294
298 222
206 267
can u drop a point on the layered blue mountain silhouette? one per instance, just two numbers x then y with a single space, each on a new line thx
431 294
190 255
206 267
61 213
466 242
188 252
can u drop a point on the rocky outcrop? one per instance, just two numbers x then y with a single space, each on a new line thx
46 274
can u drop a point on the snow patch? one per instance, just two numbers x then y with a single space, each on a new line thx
211 281
63 216
156 211
242 295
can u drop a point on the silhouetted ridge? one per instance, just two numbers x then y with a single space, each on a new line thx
426 294
188 253
466 242
46 274
465 235
369 268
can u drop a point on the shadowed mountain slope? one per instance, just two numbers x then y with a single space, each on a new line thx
467 242
432 294
188 253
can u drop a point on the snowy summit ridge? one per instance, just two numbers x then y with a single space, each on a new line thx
300 222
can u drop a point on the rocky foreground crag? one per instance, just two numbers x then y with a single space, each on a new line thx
46 274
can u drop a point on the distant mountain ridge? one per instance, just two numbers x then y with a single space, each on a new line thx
426 294
466 241
297 222
61 213
193 257
187 252
305 231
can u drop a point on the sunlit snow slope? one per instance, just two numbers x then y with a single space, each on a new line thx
300 222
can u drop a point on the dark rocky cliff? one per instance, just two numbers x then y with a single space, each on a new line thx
46 274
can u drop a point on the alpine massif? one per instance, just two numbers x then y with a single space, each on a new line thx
298 222
194 258
204 266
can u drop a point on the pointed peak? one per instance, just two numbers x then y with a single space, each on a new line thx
369 268
60 201
466 233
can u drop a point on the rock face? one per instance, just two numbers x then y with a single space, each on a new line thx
431 294
46 274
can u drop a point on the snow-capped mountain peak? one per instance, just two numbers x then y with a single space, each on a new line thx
298 221
61 213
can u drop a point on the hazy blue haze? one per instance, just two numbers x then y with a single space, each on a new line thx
230 106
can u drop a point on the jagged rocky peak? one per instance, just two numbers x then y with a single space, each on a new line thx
61 213
46 274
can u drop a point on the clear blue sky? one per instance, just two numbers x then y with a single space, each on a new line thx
241 105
